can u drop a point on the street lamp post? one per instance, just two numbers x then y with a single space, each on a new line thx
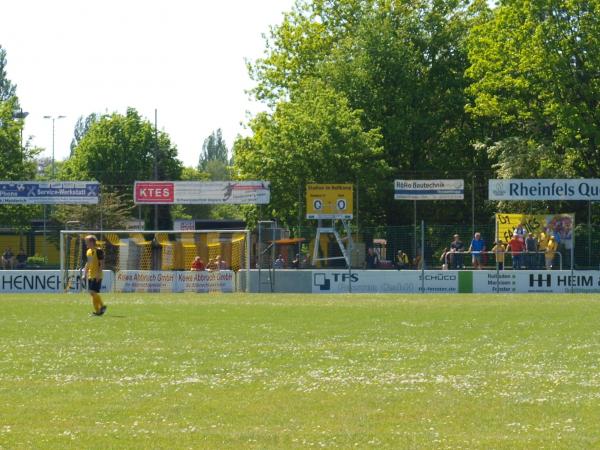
53 118
21 115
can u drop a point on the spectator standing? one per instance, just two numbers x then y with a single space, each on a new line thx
21 259
402 261
198 264
7 259
543 238
550 252
531 247
296 262
477 246
212 265
521 231
499 251
372 259
456 257
279 262
516 247
444 258
221 263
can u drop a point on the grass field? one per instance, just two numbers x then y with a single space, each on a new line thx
299 371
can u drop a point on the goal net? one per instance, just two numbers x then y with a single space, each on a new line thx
159 261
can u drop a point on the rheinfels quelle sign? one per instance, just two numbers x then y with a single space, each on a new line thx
544 189
201 193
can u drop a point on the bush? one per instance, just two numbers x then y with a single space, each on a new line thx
37 260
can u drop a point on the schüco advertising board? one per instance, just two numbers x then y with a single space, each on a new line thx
329 201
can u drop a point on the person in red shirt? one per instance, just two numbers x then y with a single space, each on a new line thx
517 247
197 264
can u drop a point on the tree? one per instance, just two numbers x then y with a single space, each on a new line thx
112 213
401 64
213 149
16 161
535 71
118 150
8 90
81 128
315 137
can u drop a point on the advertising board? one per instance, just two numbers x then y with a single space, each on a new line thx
560 225
49 193
429 189
201 192
50 281
544 189
384 281
173 281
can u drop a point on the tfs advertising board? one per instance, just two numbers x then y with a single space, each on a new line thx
24 281
384 281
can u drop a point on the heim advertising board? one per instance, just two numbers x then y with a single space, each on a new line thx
201 192
49 193
329 201
174 281
536 281
544 189
429 189
384 281
25 281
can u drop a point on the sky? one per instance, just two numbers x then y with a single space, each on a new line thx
184 58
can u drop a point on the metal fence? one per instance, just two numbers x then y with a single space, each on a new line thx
427 245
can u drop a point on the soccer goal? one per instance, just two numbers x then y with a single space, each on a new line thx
160 261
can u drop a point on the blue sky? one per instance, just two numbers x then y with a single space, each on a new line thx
186 58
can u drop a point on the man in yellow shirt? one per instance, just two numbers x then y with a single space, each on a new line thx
550 251
543 239
499 250
92 272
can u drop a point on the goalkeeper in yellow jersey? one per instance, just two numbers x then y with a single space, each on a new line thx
92 272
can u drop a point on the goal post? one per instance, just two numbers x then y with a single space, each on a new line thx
161 261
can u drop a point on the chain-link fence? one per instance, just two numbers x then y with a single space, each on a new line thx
378 248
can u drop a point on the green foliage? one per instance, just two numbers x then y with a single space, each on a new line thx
535 75
118 150
112 213
37 261
81 128
16 159
8 90
401 65
214 150
315 137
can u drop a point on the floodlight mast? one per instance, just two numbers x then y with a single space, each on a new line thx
54 119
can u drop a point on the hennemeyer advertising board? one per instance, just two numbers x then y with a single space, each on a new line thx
21 281
429 189
544 189
49 193
202 193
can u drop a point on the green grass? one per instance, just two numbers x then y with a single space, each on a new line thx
298 371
